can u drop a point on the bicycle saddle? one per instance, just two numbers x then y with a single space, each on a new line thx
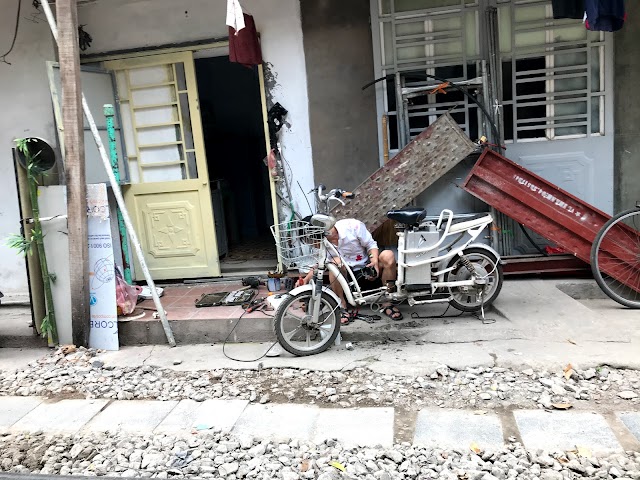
408 215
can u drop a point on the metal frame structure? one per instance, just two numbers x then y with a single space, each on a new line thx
520 44
564 63
396 35
591 45
536 203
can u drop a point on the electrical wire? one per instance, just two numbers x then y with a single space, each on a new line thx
3 58
485 321
535 245
452 85
37 16
417 316
305 197
226 340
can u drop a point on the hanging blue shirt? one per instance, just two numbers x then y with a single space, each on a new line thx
605 15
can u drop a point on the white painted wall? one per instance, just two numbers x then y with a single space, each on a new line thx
26 111
130 24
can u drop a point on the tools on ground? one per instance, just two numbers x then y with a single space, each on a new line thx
236 297
257 304
239 297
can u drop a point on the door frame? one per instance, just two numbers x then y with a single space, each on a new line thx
199 47
201 260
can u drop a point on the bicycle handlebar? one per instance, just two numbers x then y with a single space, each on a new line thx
336 194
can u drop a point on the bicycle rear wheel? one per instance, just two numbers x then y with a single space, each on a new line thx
487 267
615 258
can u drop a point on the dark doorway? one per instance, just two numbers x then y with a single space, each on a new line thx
231 111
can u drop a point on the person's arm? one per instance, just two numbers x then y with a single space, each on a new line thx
373 259
307 278
370 245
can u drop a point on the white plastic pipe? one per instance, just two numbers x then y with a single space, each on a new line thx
118 194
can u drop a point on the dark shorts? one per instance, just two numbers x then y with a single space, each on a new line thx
367 283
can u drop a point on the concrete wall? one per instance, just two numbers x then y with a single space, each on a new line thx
129 24
26 112
627 111
339 59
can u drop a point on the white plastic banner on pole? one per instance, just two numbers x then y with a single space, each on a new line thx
103 326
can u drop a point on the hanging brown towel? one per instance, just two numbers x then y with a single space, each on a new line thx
244 47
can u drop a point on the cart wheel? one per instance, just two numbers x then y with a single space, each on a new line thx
615 258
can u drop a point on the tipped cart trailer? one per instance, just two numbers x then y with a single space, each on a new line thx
611 245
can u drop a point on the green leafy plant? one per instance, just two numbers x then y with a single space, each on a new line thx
24 246
19 243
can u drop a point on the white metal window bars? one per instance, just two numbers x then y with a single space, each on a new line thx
572 75
427 40
437 35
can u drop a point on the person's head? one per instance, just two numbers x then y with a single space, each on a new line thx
308 233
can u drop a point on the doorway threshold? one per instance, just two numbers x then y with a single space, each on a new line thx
246 267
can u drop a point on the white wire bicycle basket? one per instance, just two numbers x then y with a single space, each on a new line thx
298 243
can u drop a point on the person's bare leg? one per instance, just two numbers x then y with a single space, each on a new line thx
388 266
335 285
389 272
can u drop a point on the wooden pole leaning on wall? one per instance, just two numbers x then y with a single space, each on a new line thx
385 137
106 163
73 131
34 275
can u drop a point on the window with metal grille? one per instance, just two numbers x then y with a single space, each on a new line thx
436 37
552 74
552 70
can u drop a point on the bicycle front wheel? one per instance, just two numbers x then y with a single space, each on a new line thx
296 329
615 258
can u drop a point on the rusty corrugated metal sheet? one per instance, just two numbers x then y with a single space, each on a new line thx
429 156
550 211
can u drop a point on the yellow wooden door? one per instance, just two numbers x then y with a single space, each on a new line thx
169 196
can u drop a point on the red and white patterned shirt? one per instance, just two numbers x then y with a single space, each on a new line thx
354 242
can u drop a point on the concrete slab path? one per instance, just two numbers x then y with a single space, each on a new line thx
351 426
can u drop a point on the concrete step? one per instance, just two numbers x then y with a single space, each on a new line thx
255 327
22 341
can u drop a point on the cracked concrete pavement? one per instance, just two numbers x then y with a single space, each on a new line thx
534 324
